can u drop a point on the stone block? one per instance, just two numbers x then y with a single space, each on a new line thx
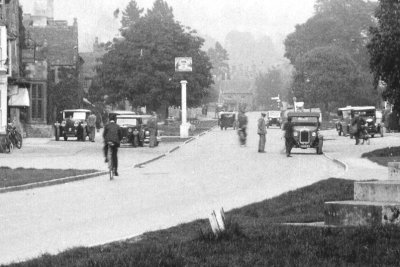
394 170
361 213
384 191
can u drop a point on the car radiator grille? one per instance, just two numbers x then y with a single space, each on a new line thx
304 137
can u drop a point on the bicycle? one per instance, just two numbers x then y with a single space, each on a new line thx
110 159
14 136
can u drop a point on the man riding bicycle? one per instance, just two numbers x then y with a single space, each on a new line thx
112 133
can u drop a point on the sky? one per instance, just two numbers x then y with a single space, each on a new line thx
214 18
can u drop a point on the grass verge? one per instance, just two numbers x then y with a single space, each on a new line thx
21 176
254 237
384 155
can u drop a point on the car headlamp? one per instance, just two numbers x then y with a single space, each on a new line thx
63 123
130 130
295 134
76 124
313 134
147 132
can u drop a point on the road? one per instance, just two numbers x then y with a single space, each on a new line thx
208 173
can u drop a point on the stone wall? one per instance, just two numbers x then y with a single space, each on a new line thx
39 130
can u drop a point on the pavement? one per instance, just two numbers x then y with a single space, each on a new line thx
210 172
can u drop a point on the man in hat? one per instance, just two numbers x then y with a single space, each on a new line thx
288 128
261 131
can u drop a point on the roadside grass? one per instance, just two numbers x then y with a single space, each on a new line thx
173 128
384 155
254 237
20 176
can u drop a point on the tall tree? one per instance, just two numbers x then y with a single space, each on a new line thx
131 14
384 49
218 58
268 85
140 68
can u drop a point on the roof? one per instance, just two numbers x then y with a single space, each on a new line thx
303 114
122 112
363 108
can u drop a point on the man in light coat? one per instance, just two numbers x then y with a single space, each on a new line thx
91 124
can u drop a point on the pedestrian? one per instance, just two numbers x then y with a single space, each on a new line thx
152 124
288 128
242 128
112 133
79 132
98 122
91 125
357 124
261 131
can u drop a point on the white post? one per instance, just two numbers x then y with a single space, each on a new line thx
184 129
3 79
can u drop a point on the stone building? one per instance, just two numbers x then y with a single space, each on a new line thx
50 45
13 97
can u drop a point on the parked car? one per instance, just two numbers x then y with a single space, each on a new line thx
131 126
71 118
146 133
343 123
274 118
227 120
306 130
369 114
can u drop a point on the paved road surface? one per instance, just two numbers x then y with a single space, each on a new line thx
208 173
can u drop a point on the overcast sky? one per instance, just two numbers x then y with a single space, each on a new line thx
210 17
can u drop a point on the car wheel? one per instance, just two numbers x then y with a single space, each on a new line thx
65 138
222 128
319 148
372 135
340 132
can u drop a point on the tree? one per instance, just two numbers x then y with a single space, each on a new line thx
269 85
384 49
140 68
328 77
131 14
218 58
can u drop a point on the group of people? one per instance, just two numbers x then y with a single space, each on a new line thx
262 132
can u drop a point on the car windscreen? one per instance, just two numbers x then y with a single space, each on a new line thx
75 115
365 113
126 121
346 114
307 121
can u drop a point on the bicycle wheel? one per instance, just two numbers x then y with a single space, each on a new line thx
18 139
110 163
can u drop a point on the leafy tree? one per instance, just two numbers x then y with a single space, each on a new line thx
384 49
328 77
64 94
141 68
131 14
218 58
269 84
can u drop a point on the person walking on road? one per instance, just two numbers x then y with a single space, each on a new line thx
288 128
357 124
242 128
261 131
112 133
153 130
91 124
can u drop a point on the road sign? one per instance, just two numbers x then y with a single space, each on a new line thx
183 64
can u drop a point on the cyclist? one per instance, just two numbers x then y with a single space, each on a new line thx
112 133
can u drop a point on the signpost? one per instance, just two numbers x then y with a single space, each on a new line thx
183 64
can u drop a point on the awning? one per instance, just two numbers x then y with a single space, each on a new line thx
20 99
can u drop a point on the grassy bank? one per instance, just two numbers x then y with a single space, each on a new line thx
255 237
384 155
20 176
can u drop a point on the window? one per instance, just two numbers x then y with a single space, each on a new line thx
37 107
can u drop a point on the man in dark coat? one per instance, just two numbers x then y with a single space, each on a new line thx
261 131
288 128
357 123
242 128
112 133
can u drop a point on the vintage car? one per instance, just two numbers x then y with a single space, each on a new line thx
146 133
372 124
343 123
306 130
274 118
227 119
131 126
71 118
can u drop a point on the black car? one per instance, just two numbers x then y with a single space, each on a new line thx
72 120
306 130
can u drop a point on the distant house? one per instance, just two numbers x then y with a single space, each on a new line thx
50 45
236 93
